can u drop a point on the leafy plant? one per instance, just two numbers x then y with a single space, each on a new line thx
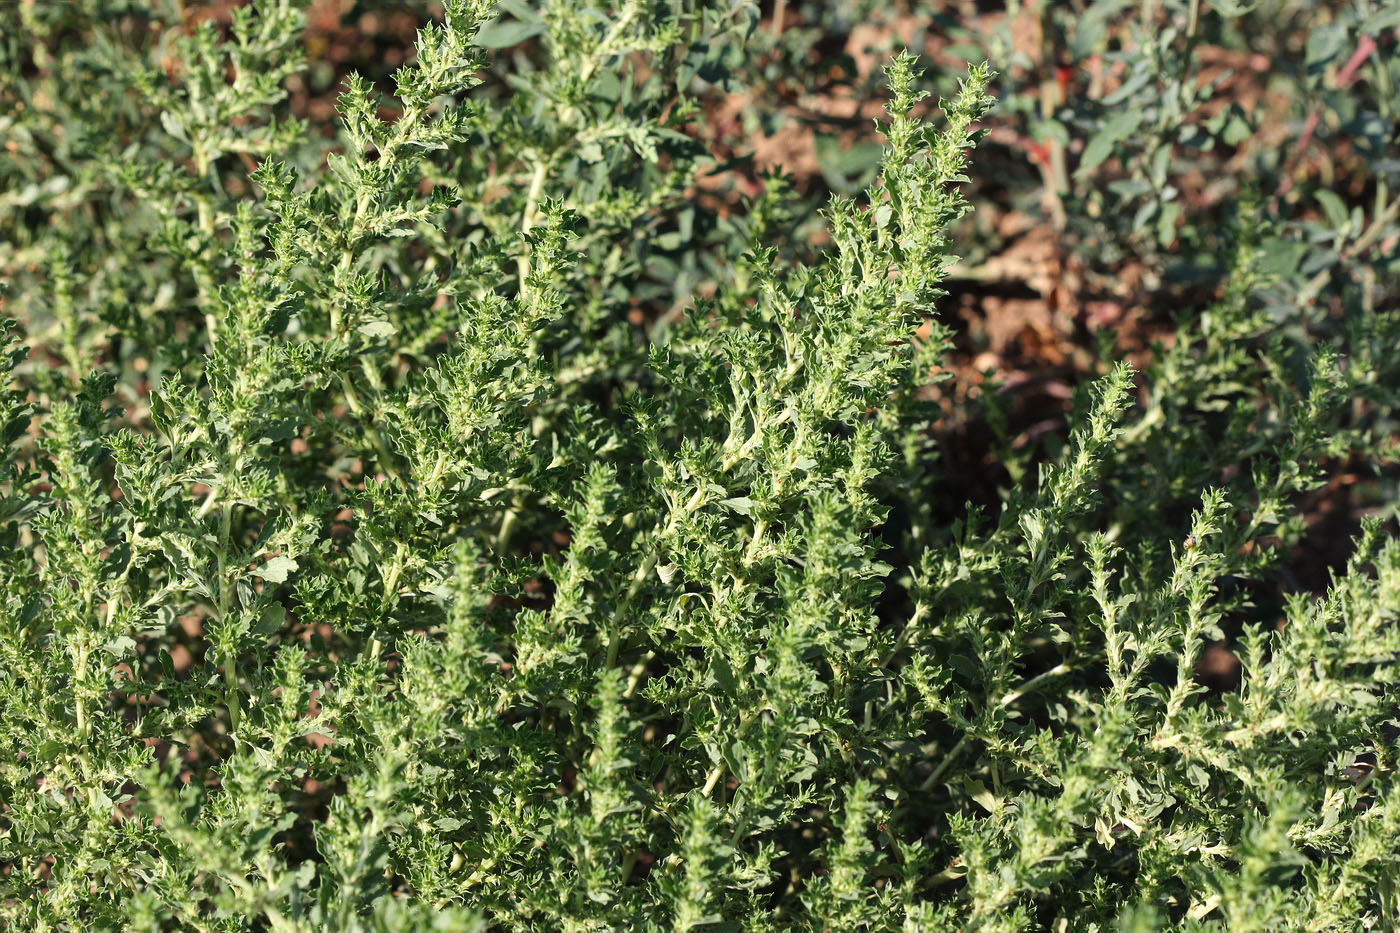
458 524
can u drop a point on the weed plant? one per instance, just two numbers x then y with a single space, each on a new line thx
452 524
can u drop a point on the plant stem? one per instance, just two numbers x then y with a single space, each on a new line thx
712 779
230 659
527 217
948 759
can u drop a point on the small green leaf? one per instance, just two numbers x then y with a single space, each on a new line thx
1116 129
1334 208
378 328
741 504
504 33
275 570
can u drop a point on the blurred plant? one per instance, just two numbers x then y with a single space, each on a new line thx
457 524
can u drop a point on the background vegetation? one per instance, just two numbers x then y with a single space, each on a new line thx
568 466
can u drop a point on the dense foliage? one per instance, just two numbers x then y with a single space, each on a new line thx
457 518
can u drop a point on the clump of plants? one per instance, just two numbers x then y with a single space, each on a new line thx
460 523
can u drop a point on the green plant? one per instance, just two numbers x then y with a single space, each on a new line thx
455 525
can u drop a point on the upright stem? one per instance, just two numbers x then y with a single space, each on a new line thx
230 659
1055 172
604 48
206 226
79 703
711 780
527 218
352 398
507 526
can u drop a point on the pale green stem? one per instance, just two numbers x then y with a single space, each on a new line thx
206 226
1013 695
527 219
352 398
230 665
712 779
79 704
948 759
